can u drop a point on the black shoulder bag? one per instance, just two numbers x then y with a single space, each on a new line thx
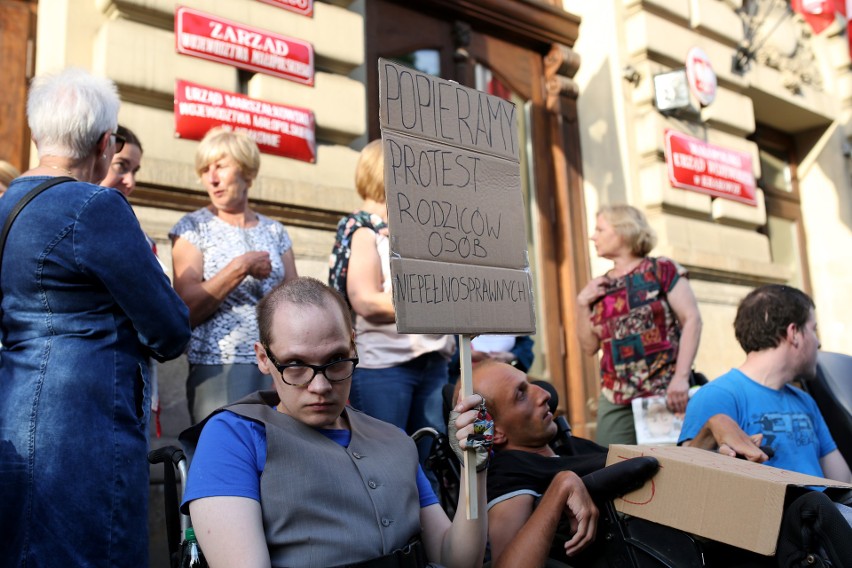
23 203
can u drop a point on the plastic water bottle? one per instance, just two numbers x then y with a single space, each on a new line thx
190 555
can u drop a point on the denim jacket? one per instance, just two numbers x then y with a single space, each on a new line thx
84 303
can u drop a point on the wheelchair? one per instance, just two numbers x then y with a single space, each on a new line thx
622 541
173 459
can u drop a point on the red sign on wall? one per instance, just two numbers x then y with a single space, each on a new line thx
278 129
210 37
707 168
304 7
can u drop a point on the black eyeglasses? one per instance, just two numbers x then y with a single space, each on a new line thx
301 374
118 141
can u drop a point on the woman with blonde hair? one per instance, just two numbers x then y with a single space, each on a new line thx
644 317
226 258
399 376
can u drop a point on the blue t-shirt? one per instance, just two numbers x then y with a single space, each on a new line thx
788 418
231 454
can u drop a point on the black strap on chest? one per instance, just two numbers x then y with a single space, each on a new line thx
411 555
23 203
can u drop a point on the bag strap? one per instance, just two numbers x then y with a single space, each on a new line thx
23 203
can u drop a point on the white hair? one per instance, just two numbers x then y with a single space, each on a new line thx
68 111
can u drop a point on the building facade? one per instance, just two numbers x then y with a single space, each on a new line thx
582 75
782 98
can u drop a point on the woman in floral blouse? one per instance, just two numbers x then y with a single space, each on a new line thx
644 317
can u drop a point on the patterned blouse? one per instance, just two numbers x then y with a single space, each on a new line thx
228 335
639 333
338 261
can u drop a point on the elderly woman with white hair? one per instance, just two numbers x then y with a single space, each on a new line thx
84 304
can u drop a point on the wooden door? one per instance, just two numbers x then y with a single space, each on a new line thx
17 46
524 52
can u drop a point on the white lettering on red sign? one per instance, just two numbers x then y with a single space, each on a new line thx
278 129
699 166
700 75
210 37
303 7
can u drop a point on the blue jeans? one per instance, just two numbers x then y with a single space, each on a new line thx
408 395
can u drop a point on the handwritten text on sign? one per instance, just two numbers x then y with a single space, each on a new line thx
452 204
707 168
433 297
210 37
428 107
278 129
455 208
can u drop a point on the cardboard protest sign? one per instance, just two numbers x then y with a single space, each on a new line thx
455 210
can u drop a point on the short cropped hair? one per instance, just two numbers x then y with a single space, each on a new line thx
302 291
764 314
8 172
129 136
632 226
220 142
370 172
69 111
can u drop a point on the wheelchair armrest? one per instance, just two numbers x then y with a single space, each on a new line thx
167 454
620 478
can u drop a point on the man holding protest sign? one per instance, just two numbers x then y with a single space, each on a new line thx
456 216
294 477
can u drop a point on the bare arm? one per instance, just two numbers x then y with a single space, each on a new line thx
683 303
364 281
722 433
835 467
589 338
230 531
521 536
203 297
288 259
460 543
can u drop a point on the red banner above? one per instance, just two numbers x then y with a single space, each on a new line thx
303 7
278 129
210 37
818 13
706 168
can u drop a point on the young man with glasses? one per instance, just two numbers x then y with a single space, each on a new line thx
294 477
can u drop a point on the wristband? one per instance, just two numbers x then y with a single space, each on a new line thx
480 441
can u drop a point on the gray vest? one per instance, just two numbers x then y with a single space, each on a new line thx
325 505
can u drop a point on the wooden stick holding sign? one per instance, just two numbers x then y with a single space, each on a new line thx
466 378
458 246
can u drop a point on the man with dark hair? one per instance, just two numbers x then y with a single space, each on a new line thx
755 405
294 477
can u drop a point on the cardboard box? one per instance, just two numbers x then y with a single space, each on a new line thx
714 496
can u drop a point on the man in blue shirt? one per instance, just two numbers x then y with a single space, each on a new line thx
755 405
295 477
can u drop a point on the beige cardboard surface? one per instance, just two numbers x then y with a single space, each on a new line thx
730 500
453 205
434 297
429 107
455 211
